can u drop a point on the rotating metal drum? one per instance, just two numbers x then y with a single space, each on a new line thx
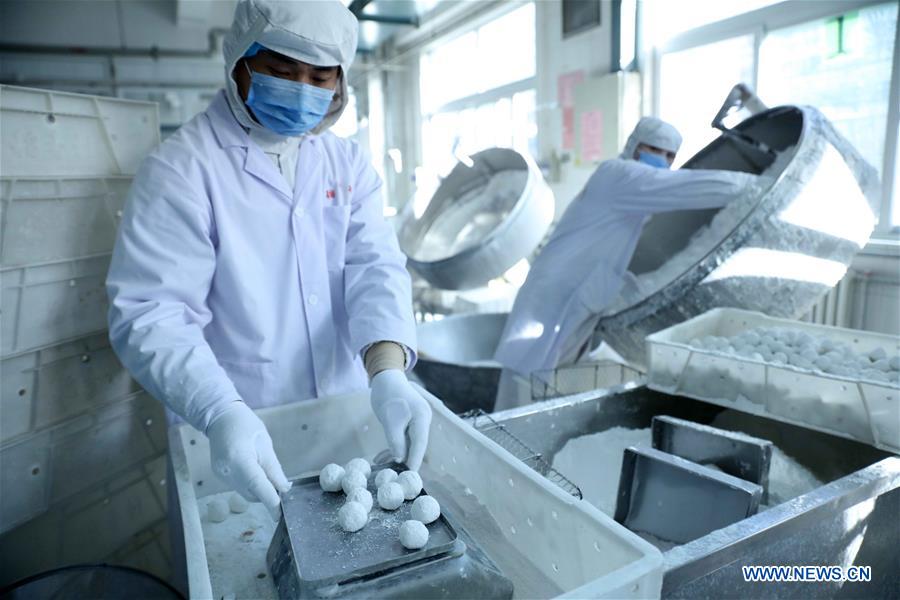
481 221
798 232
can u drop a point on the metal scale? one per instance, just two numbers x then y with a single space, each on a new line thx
312 557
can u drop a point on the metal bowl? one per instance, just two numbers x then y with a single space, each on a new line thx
468 236
785 254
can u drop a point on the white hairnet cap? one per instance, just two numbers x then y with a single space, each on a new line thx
323 33
653 132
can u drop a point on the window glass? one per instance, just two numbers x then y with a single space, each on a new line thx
895 197
347 125
664 19
694 83
840 65
505 51
497 53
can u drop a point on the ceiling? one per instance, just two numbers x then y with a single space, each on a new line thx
381 19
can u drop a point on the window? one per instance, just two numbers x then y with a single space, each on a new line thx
666 19
842 66
347 126
690 97
792 53
477 91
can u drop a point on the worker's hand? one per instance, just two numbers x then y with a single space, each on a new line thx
404 414
241 453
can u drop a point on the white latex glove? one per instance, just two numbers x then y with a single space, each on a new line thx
241 453
404 414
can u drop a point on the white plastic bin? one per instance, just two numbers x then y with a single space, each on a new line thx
61 134
579 378
555 537
53 465
48 304
41 388
865 411
52 219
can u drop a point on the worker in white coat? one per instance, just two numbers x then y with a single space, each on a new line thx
253 265
581 269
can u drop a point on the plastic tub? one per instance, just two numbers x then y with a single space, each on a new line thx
48 304
865 411
545 540
62 134
53 219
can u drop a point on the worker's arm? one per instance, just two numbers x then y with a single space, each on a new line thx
378 298
633 186
377 287
160 276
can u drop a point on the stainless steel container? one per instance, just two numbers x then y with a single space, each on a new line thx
477 225
850 520
790 249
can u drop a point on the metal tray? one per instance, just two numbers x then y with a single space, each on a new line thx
737 454
328 555
656 487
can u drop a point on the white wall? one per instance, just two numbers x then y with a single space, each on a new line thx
163 51
114 24
590 51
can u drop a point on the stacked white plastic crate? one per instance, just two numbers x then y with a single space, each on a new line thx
82 447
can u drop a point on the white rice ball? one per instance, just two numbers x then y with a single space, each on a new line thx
217 510
425 509
353 516
330 477
779 358
894 363
390 496
809 354
362 496
413 535
384 476
877 354
359 464
411 484
823 363
352 480
237 503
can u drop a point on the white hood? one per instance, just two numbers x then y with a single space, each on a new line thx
654 132
319 32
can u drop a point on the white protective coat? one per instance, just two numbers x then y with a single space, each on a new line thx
583 266
227 282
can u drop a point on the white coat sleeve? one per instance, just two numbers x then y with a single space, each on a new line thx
377 287
158 281
635 187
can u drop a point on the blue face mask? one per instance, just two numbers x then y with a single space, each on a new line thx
652 159
287 107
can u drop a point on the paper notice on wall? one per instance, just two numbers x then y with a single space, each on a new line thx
591 136
566 97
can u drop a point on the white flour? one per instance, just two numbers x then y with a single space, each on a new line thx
593 463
